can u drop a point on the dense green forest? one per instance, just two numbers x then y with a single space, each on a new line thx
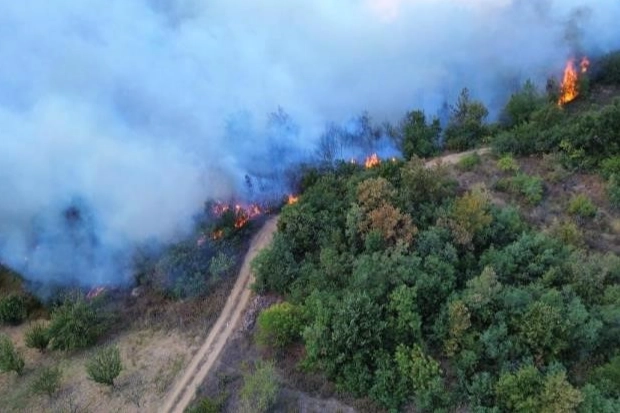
407 287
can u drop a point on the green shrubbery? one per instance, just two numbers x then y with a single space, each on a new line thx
531 188
47 381
279 325
105 365
75 324
507 164
469 162
581 206
260 388
466 127
37 336
13 309
10 358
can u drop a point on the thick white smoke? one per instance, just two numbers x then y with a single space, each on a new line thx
119 117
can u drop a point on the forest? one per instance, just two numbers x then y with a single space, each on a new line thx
405 285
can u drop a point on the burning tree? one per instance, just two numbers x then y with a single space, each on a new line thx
570 87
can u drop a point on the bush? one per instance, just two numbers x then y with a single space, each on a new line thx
507 164
279 325
582 206
10 358
469 162
530 187
610 166
260 388
567 231
206 405
523 104
37 336
105 365
613 190
13 309
48 381
75 324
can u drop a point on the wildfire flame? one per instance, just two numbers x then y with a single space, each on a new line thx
292 199
243 214
372 161
569 90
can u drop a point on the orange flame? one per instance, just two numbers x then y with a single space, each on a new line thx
569 90
372 161
292 199
243 214
217 234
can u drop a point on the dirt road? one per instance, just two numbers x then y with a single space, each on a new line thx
184 389
455 157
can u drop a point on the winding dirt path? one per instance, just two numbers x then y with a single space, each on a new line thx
184 389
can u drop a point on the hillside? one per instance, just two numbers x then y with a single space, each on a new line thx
489 285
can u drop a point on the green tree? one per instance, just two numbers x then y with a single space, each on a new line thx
260 388
417 137
13 309
466 126
37 336
47 381
519 391
423 373
10 358
523 104
105 365
558 395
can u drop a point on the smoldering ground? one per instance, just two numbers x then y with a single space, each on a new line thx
118 118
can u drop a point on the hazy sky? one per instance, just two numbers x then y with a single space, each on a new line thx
138 110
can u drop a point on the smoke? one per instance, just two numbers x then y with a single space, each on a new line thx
118 118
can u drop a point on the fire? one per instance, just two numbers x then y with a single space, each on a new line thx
292 199
217 234
372 161
569 90
243 214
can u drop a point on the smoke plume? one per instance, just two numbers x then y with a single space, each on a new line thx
119 118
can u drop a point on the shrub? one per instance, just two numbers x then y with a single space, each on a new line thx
105 365
10 358
610 166
260 388
613 190
12 309
567 231
523 104
582 206
37 336
75 324
469 162
47 381
530 187
279 325
206 405
507 164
